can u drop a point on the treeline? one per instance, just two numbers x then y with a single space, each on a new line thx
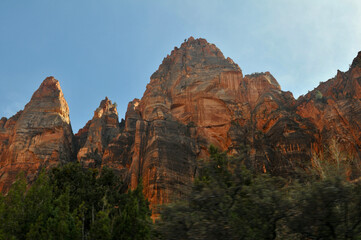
71 202
227 201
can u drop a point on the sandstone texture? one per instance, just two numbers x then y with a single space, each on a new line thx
196 98
334 107
94 139
39 136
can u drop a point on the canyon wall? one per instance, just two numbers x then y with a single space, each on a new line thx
196 98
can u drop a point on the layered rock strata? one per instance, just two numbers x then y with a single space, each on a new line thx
39 136
196 98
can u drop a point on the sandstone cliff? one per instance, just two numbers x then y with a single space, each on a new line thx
94 139
334 107
197 97
39 136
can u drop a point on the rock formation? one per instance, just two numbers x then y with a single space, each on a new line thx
334 107
94 139
196 98
39 136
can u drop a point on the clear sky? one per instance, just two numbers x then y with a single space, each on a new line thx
99 48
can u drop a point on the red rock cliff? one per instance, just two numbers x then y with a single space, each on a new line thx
39 136
197 97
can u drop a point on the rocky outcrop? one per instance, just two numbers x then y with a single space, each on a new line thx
94 139
39 136
334 107
196 98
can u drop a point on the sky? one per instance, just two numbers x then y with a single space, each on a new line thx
111 47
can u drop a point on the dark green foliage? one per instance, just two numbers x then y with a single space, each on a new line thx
327 209
13 217
71 202
101 228
133 220
230 202
227 202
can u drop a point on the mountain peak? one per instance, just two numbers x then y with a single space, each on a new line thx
106 107
357 60
191 40
50 87
194 54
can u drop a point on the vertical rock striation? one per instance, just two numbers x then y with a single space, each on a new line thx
39 136
196 98
94 139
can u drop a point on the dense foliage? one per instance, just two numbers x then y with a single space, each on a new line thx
230 202
227 201
71 202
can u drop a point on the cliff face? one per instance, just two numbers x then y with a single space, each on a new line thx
93 140
39 136
334 107
197 97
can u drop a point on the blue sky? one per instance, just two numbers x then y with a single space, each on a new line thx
111 47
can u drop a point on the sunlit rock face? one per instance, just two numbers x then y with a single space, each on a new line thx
334 107
39 136
198 97
95 138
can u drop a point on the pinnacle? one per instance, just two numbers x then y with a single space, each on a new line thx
194 53
106 102
50 87
357 60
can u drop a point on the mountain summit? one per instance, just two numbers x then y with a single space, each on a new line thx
39 136
195 99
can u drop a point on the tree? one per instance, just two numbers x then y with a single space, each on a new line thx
101 228
327 209
132 220
13 215
227 202
71 202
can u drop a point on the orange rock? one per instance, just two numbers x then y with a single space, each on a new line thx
94 139
196 98
39 136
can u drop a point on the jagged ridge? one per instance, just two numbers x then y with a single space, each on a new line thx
197 97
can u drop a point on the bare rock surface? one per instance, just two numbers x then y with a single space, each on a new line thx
196 98
39 136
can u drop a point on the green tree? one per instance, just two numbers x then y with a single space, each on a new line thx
101 229
13 216
62 225
327 209
71 202
227 202
132 220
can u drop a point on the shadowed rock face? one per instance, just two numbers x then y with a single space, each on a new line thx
39 136
197 97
